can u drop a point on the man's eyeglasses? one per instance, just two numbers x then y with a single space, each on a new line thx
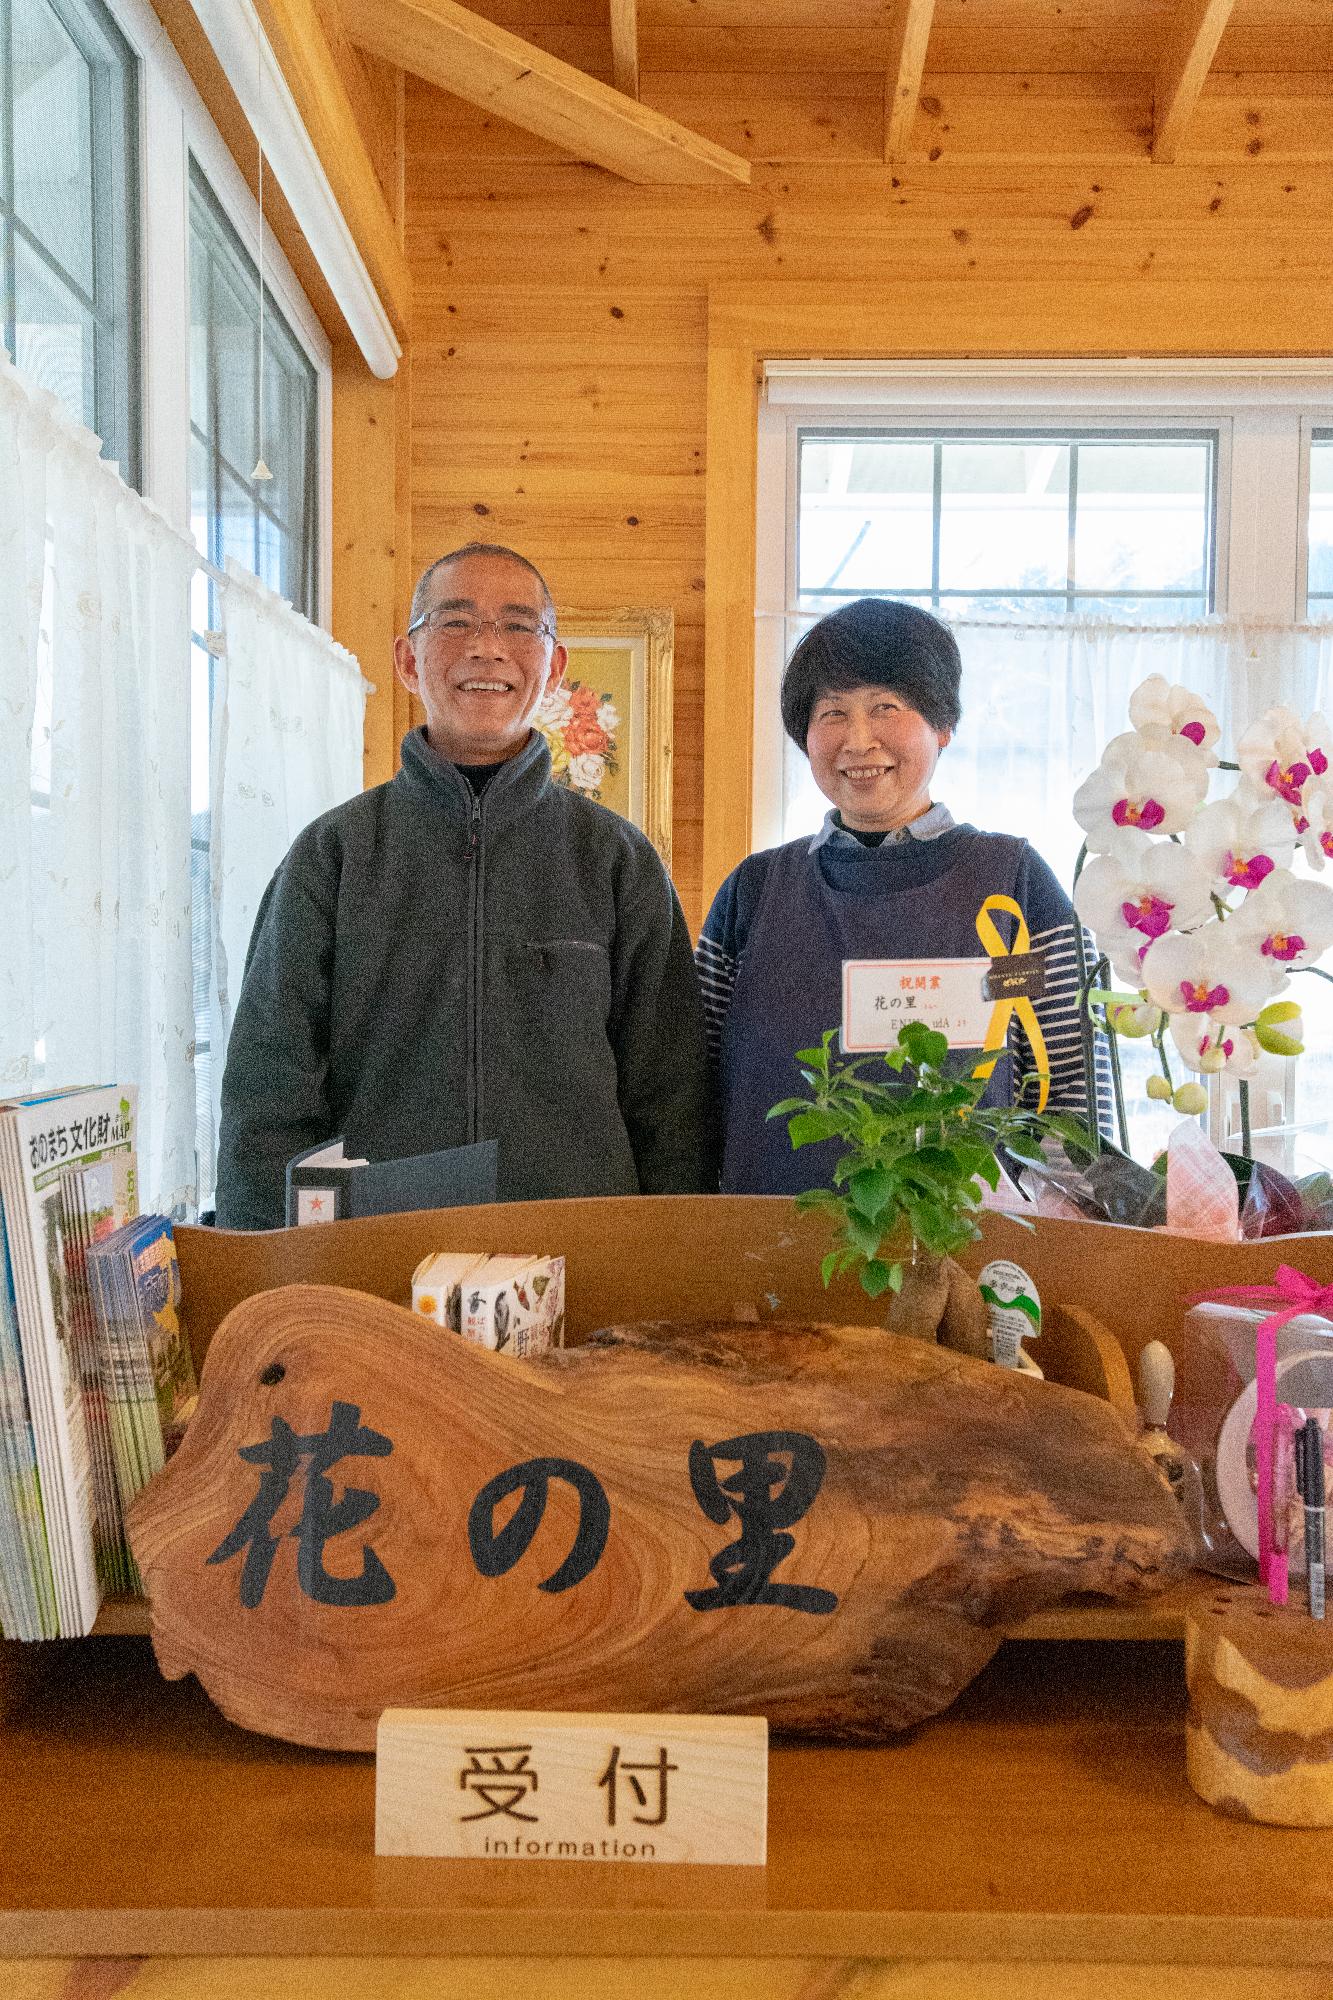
459 627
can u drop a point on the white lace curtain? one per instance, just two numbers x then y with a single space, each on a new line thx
288 724
1041 702
94 781
95 906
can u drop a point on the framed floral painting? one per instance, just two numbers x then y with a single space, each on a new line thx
609 721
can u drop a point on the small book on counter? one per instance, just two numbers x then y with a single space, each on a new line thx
513 1305
323 1185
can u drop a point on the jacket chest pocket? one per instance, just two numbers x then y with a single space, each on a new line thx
562 986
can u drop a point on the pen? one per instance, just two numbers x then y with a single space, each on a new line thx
1310 1479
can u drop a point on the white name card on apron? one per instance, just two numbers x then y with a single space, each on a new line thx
880 995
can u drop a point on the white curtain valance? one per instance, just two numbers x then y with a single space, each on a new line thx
1042 700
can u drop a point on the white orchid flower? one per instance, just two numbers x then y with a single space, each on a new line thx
1314 822
1138 890
1157 704
1210 972
1209 1046
1272 755
1241 840
1147 779
1319 745
1288 920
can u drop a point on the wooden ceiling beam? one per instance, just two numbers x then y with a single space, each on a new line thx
909 32
1191 44
486 65
625 45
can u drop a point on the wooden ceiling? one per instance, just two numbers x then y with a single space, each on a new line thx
692 90
1089 37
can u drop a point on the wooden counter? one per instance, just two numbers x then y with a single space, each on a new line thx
1045 1818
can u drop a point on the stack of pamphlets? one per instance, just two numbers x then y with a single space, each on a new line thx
437 1286
96 1200
145 1361
49 1585
516 1305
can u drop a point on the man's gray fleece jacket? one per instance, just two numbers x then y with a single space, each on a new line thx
430 966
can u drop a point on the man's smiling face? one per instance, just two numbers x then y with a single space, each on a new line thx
480 688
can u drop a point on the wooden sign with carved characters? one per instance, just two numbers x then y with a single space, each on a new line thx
827 1526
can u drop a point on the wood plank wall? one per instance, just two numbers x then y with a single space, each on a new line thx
559 345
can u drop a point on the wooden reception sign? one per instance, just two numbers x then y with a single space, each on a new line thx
828 1526
502 1785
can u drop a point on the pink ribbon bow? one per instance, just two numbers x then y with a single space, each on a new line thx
1292 1293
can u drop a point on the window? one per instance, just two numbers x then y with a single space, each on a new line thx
88 88
243 361
1319 560
253 401
69 212
1009 497
1033 522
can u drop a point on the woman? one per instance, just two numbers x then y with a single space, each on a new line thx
871 696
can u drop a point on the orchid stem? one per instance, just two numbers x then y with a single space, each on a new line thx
1159 1043
1246 1139
1117 1081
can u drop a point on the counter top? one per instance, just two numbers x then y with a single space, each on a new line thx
1045 1816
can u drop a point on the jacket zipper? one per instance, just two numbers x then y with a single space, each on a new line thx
474 870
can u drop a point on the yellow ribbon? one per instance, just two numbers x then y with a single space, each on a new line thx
997 1033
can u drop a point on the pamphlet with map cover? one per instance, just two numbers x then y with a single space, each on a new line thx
146 1365
95 1201
51 1546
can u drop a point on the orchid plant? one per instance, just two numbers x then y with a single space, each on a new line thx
1194 904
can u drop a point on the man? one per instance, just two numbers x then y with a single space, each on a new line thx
471 951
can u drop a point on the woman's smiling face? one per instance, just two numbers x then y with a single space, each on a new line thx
873 756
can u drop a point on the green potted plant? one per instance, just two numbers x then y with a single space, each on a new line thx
908 1188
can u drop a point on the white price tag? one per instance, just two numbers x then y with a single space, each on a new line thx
880 995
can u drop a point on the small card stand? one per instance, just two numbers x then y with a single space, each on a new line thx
504 1785
1259 1735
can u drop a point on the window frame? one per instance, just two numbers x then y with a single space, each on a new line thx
1315 430
115 136
938 434
173 126
220 243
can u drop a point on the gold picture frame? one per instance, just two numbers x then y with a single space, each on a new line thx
609 725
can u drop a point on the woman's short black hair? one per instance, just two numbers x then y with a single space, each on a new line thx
874 642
